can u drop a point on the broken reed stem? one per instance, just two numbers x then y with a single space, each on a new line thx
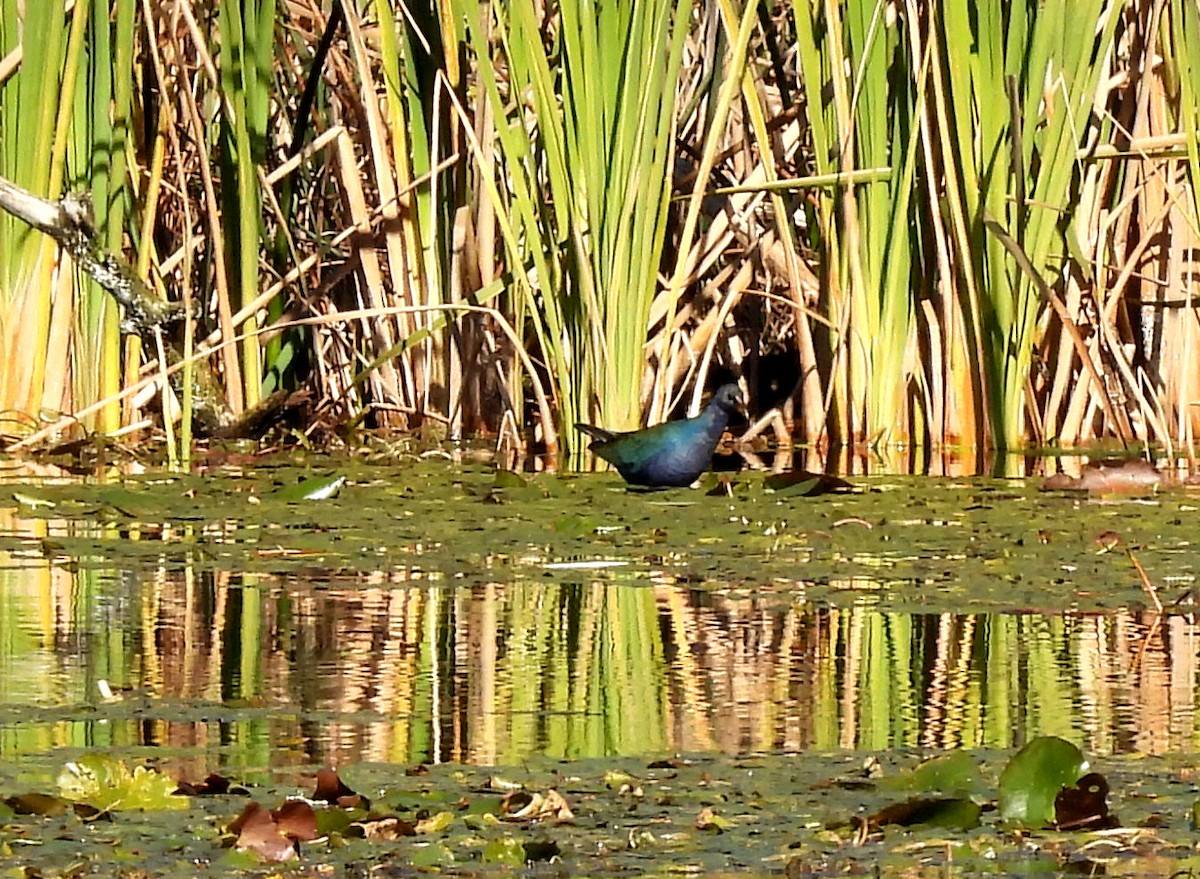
1147 586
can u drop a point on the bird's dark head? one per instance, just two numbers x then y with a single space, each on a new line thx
729 398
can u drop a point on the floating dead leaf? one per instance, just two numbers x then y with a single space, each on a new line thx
384 829
1134 476
805 866
419 769
331 789
502 784
296 820
557 805
1085 806
709 821
675 763
213 785
252 812
34 803
800 483
518 801
1106 541
435 823
89 813
957 813
845 783
257 831
525 806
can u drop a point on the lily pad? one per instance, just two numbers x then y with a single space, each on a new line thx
107 784
949 773
953 813
1031 781
316 489
800 483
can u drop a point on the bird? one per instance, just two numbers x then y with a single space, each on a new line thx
670 455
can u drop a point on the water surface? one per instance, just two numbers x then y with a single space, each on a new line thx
432 613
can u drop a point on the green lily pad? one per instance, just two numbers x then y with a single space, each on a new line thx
792 484
508 851
316 489
956 771
510 479
1033 778
434 855
952 813
330 821
800 483
107 784
33 501
436 823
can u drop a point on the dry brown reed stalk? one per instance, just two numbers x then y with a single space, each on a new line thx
337 320
740 284
186 67
1129 241
1133 293
398 243
388 273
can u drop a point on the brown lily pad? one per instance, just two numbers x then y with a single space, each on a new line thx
960 813
522 805
34 803
804 484
331 789
212 786
296 820
257 831
1085 806
387 828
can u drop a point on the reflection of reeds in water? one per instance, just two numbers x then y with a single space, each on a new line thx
404 668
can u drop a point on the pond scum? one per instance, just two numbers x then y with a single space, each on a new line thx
803 815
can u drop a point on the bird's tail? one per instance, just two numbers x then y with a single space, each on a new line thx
599 434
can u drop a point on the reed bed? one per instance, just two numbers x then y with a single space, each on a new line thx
902 224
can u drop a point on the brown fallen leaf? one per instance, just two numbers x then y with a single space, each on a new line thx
804 484
296 820
709 821
525 806
331 789
675 763
959 813
257 831
1134 476
385 829
34 803
557 807
90 814
213 785
1085 806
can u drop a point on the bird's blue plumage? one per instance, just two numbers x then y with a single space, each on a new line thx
667 455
